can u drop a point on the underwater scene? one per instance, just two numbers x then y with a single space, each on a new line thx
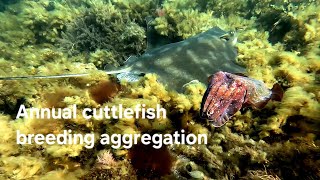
159 89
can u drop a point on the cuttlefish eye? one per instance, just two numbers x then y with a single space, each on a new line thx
209 113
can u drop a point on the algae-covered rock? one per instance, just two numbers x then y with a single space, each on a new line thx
103 27
46 19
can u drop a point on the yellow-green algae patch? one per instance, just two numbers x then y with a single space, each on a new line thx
279 141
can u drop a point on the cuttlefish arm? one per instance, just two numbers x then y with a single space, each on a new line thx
227 93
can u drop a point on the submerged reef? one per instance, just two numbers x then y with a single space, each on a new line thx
44 37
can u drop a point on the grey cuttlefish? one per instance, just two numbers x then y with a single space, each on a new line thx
180 63
227 93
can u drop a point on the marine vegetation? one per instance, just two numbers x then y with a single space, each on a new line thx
279 141
106 32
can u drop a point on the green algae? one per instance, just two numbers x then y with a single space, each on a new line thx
280 141
103 27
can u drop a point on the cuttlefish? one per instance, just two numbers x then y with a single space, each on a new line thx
227 93
180 63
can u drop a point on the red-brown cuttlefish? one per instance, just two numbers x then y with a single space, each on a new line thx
227 93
